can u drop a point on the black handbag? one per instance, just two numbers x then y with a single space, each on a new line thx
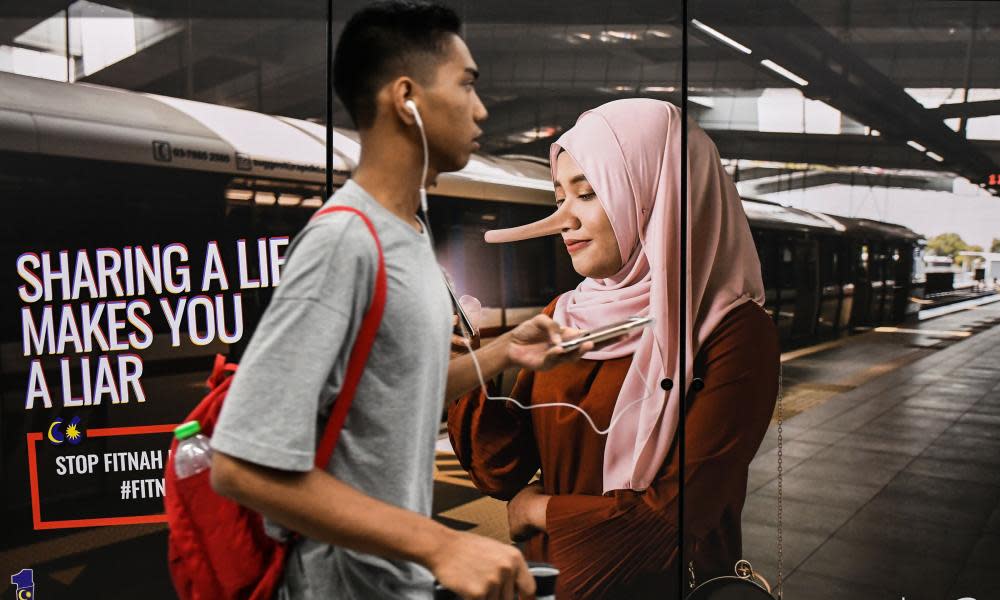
745 585
729 588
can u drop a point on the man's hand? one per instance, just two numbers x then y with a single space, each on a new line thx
534 344
526 512
478 568
458 343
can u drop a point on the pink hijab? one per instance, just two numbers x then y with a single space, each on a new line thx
629 151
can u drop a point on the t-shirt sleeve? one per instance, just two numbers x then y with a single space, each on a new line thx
300 347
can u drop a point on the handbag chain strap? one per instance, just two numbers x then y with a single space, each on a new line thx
780 542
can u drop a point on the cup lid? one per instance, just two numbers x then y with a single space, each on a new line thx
187 430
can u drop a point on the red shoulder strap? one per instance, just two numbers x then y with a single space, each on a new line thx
359 354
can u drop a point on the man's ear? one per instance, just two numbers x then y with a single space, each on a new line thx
398 92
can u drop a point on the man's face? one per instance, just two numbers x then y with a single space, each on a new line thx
451 109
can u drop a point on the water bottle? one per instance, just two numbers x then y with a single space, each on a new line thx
193 454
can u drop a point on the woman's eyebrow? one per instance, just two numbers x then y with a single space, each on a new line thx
576 179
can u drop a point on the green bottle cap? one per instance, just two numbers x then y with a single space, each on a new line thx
186 430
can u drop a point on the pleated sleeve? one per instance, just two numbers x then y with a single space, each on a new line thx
494 440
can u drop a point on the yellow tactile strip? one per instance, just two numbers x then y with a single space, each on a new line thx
486 516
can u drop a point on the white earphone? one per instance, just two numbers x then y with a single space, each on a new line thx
410 104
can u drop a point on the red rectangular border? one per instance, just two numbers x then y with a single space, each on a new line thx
34 437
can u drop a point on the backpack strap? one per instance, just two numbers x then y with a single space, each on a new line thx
362 347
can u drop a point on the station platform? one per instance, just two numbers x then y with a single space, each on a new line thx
891 460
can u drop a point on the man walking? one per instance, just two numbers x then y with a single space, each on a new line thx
365 520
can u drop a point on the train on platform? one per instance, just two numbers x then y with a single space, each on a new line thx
143 234
85 167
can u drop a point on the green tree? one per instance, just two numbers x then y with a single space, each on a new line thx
995 246
947 244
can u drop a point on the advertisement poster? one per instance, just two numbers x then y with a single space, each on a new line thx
157 160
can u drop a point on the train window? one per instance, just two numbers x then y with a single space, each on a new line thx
533 275
829 262
787 269
458 226
530 272
524 274
768 260
876 262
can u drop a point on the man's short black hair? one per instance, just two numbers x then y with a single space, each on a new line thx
384 41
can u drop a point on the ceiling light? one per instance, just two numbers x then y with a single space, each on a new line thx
313 202
289 199
582 36
936 156
663 89
876 132
919 147
721 37
780 70
660 34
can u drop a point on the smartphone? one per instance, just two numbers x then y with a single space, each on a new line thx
608 332
466 321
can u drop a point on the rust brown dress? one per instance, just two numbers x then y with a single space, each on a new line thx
624 545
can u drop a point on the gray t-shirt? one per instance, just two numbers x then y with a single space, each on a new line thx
294 366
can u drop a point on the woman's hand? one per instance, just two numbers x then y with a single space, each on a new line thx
534 344
526 512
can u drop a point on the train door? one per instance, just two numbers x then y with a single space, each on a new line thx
806 281
917 279
902 265
846 284
831 297
861 278
787 292
877 272
767 252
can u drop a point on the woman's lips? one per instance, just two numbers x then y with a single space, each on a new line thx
576 245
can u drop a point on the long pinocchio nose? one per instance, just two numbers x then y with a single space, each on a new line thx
550 225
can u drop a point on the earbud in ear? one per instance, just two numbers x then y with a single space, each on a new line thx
410 104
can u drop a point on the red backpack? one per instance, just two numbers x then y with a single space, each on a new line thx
217 549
